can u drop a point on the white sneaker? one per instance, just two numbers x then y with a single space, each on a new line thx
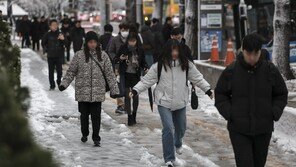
179 150
170 164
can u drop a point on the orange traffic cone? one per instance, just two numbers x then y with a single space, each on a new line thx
215 51
229 54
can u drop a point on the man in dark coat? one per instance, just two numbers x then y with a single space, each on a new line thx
53 44
176 34
35 33
66 31
25 30
167 29
251 94
43 27
77 35
148 43
156 28
106 38
113 50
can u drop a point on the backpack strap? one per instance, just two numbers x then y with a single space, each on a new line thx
187 71
159 69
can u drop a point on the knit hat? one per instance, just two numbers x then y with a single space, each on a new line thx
91 35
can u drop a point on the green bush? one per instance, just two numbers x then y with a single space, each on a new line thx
17 146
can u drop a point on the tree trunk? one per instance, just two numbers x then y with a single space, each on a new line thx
281 45
157 13
191 26
131 11
182 11
103 15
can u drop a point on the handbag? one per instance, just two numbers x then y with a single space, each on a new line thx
194 99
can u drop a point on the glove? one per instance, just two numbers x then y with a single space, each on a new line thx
210 93
62 88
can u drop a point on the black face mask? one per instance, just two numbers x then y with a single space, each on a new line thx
131 48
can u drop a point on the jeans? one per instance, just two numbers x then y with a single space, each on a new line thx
149 59
174 127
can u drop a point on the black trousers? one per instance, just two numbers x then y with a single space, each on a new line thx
127 102
250 151
68 52
55 63
130 81
93 109
36 43
26 40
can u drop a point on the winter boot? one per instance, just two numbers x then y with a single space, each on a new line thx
130 121
120 110
97 143
170 164
84 139
134 116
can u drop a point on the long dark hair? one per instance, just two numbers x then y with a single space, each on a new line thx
87 52
165 58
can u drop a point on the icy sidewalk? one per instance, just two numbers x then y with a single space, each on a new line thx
55 123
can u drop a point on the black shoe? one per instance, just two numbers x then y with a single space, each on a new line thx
51 89
130 121
120 110
97 143
84 139
134 116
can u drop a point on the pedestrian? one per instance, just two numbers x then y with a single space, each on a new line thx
66 31
53 44
156 28
113 49
43 27
35 33
106 38
148 43
131 60
167 29
176 34
77 35
25 30
175 69
92 70
251 94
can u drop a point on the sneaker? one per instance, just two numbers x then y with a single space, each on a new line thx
84 139
120 110
97 143
170 164
179 150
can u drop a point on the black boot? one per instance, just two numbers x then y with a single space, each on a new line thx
134 116
97 143
84 139
130 121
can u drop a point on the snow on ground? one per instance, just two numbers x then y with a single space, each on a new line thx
55 123
54 120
